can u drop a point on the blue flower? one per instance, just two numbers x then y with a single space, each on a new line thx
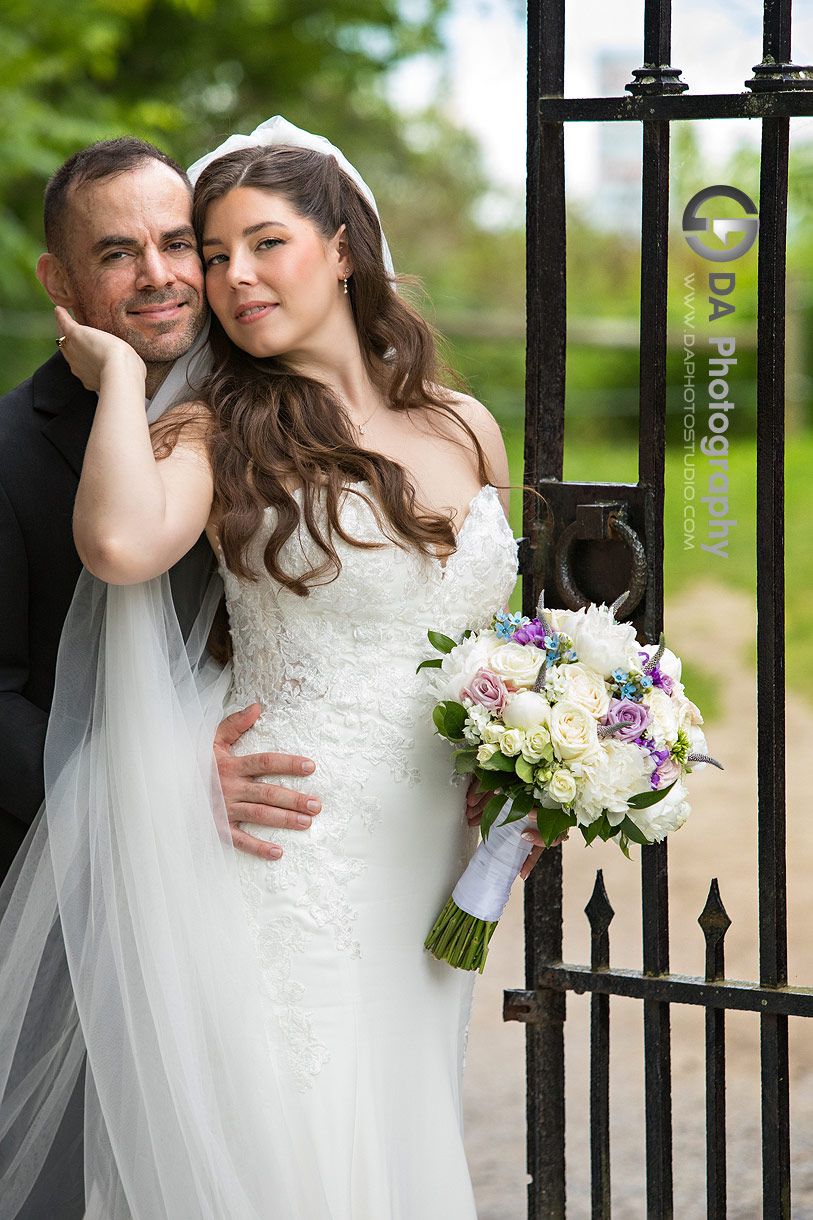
506 624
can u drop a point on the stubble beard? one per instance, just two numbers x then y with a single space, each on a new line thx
158 352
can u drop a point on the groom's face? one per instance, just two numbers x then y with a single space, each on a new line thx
131 261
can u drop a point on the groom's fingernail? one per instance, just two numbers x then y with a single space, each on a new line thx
308 767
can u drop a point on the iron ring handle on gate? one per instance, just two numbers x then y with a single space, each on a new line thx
616 528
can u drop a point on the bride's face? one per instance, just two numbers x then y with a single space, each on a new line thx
274 282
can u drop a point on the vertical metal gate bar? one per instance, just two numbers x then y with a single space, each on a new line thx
546 289
544 447
773 952
654 870
715 923
771 660
600 913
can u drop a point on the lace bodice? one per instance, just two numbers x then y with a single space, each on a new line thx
341 641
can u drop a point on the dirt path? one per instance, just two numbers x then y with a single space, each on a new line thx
720 839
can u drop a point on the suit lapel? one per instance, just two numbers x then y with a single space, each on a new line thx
65 408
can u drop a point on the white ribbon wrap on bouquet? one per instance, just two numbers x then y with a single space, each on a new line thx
483 889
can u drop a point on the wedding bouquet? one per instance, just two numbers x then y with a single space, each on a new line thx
566 714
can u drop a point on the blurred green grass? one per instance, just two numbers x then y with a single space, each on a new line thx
683 567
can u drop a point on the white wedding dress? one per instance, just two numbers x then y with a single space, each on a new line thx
374 1026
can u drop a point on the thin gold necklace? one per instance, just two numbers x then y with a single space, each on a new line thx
363 425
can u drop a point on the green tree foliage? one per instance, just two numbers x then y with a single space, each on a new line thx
186 73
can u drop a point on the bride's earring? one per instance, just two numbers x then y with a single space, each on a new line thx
346 278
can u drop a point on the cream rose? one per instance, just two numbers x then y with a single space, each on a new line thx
486 752
526 710
573 732
663 726
536 745
493 733
511 743
586 688
562 787
688 714
516 665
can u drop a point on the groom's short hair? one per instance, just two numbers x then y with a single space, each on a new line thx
107 159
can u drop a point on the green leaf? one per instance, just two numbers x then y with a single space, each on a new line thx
525 770
499 762
439 717
600 829
633 832
553 822
440 641
455 716
464 761
491 813
435 663
488 782
644 799
520 808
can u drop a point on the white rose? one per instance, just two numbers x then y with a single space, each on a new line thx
517 664
493 733
598 640
586 688
536 745
459 667
562 787
573 732
486 752
688 714
511 743
663 727
526 710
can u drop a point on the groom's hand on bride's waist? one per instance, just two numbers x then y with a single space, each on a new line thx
249 800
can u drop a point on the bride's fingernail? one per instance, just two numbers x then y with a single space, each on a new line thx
527 836
308 768
275 852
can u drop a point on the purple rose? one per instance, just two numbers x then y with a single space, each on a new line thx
487 689
531 633
625 709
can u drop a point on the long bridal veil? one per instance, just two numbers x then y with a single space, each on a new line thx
122 932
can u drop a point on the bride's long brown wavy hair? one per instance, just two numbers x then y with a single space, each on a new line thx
273 431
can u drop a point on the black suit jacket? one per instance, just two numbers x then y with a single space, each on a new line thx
44 427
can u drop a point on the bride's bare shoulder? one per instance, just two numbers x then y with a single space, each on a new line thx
485 428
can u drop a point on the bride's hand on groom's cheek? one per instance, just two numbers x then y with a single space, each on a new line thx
247 799
89 351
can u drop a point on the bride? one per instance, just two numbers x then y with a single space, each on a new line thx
266 1037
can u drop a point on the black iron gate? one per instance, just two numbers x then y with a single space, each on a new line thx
608 520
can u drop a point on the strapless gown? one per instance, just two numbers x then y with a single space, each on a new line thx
375 1027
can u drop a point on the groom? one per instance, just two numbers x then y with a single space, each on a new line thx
122 255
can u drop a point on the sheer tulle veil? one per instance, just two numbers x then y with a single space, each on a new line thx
122 933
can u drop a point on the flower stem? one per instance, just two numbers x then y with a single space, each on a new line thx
460 939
